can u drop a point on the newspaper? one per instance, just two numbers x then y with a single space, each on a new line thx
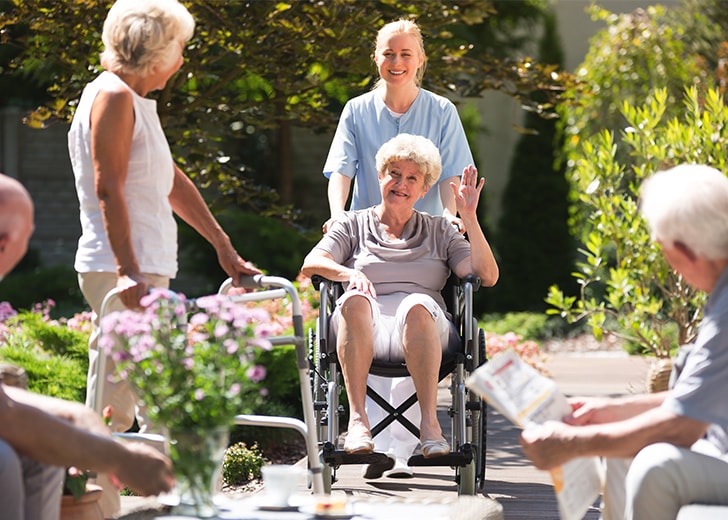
526 397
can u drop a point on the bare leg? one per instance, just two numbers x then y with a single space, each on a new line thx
355 347
423 354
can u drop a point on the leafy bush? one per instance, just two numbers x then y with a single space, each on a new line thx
241 464
529 325
649 302
54 353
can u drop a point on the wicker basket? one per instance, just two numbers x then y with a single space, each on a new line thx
658 376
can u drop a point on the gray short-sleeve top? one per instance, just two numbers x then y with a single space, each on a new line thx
420 261
699 390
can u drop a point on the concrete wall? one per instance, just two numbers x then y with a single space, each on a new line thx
39 159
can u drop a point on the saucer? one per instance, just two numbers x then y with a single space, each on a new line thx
311 510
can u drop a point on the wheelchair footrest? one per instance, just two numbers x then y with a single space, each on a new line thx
340 457
460 458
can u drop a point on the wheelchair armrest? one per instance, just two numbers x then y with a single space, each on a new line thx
317 280
473 280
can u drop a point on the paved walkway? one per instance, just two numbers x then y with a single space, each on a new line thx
523 491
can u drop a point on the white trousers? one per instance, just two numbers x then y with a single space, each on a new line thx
29 490
121 397
660 480
388 330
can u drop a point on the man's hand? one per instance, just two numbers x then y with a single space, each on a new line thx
145 470
548 445
594 411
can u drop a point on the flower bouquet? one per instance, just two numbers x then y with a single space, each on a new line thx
191 364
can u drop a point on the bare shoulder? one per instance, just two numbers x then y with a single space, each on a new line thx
114 104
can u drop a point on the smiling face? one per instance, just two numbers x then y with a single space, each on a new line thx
399 58
402 184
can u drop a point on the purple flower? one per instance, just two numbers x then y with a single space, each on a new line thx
231 346
221 329
199 394
256 373
199 318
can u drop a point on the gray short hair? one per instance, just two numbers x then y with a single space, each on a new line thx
141 34
414 148
688 204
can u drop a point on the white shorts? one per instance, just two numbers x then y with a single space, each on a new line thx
388 330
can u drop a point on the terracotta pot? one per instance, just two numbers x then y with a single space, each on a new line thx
85 508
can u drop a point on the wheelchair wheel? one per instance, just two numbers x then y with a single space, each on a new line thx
480 420
318 383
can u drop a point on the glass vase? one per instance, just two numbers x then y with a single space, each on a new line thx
197 458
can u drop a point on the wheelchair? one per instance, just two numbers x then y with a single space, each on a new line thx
467 411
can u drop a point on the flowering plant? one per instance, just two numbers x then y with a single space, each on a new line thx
528 350
192 372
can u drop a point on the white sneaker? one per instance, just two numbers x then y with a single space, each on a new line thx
400 470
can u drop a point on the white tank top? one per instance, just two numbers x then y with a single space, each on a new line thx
148 185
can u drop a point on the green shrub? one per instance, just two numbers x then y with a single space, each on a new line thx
54 355
53 375
241 464
529 325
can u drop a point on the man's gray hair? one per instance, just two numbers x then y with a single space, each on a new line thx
688 204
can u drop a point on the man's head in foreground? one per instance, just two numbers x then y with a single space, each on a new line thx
16 223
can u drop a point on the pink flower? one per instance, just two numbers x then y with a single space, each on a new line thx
256 373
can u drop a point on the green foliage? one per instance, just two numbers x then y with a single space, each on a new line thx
255 68
622 273
632 56
54 356
529 325
277 247
283 389
241 464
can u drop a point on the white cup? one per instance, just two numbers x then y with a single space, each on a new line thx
280 482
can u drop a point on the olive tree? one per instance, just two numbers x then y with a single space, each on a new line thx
626 286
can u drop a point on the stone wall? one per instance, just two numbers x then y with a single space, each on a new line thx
39 159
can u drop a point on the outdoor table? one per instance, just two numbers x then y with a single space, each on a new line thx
361 508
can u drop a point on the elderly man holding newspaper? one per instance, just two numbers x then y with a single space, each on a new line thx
668 449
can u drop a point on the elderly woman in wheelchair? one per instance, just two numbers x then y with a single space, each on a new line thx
393 262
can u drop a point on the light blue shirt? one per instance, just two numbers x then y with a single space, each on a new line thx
366 124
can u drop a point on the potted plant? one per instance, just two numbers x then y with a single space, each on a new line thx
192 364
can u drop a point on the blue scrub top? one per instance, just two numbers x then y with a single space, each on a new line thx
366 124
